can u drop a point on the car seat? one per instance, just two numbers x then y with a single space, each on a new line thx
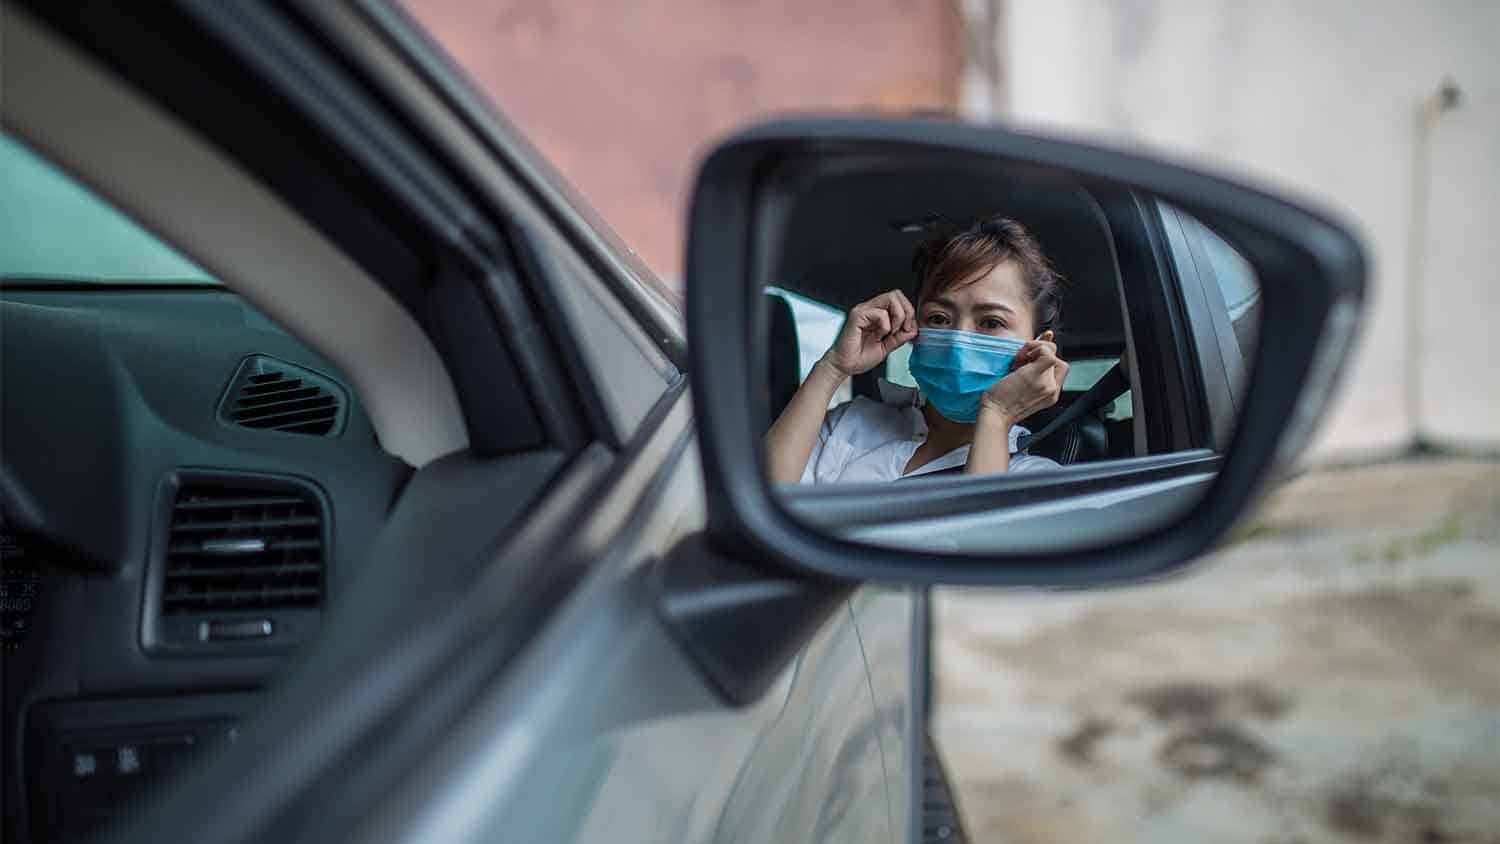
1083 440
1083 435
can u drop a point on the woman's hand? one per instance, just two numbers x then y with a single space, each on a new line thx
1034 383
873 330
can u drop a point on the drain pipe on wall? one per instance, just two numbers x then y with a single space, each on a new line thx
1428 112
981 94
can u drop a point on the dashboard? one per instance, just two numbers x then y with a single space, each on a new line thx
185 491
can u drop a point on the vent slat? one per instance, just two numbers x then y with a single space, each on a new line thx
237 548
272 546
200 502
324 416
274 388
240 597
298 402
246 402
247 571
248 525
322 406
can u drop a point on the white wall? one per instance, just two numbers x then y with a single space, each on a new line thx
1322 99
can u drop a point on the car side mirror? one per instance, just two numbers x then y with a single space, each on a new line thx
1203 321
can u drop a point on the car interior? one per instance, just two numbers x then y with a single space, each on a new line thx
111 382
864 243
184 482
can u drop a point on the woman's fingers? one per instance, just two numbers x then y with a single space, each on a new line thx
878 321
1033 350
899 338
907 309
896 306
1046 373
901 311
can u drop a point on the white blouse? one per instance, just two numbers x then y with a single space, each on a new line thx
865 441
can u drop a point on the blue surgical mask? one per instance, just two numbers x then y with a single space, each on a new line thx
954 368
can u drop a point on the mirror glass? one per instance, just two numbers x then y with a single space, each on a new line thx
983 359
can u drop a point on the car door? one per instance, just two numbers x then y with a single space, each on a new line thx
482 679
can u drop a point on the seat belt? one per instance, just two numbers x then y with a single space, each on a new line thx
1114 383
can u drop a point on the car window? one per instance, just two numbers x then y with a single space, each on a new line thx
55 231
1084 373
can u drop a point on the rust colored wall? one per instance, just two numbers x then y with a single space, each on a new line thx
624 96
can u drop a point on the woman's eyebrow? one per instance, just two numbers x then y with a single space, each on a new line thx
994 306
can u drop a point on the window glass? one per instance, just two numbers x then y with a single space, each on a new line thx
898 367
1085 373
54 230
1236 282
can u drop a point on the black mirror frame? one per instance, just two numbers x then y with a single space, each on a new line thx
1313 280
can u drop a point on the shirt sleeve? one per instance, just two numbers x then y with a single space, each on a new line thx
1021 461
1031 463
831 420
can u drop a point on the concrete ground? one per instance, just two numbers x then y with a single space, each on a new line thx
1331 674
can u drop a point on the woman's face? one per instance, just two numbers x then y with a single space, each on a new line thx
995 304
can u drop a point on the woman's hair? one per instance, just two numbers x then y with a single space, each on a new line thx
954 259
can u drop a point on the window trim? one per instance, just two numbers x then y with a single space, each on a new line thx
1215 394
657 308
1157 347
851 505
1235 357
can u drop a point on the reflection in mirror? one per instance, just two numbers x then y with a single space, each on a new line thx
998 361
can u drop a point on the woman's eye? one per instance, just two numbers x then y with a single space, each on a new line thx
993 325
937 319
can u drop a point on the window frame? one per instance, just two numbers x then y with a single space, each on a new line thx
656 307
1219 361
1164 376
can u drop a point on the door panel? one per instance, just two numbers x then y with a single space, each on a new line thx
819 771
1088 503
885 617
605 730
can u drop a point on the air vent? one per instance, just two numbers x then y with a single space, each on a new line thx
243 549
274 395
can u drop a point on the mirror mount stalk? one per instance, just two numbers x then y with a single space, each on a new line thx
741 624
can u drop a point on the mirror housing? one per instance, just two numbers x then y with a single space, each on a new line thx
1312 272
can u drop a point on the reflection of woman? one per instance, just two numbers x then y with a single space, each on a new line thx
983 295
